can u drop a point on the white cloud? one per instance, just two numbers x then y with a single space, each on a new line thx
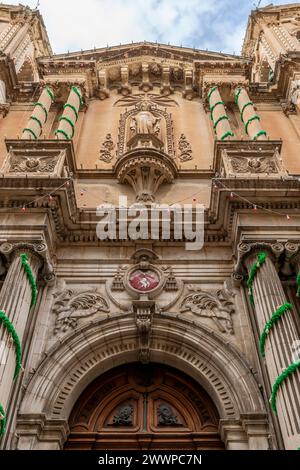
83 24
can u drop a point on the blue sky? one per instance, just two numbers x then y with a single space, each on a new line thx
217 25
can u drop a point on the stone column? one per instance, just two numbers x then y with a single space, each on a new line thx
39 117
15 302
67 122
268 296
248 115
218 115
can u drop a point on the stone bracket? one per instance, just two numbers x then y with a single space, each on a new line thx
143 311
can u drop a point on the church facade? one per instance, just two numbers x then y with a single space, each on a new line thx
150 247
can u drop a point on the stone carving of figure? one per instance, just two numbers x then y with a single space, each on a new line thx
166 416
124 416
295 92
145 122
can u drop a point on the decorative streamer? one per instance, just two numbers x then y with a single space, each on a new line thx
259 133
236 97
253 118
286 373
211 92
221 118
30 276
227 134
298 284
269 325
213 107
78 94
261 258
2 421
8 325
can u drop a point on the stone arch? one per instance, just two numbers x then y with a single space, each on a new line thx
74 362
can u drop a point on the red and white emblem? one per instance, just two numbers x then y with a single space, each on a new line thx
144 281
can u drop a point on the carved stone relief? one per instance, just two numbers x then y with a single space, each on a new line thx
253 165
124 417
245 162
185 149
165 415
106 149
218 306
146 118
33 163
71 306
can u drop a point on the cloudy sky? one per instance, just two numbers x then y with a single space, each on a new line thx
217 25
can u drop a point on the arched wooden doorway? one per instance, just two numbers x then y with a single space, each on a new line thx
144 407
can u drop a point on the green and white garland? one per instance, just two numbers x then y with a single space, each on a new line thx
261 258
269 325
298 284
285 374
2 421
4 320
221 118
30 277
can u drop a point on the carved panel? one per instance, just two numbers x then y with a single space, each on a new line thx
71 306
165 415
106 149
218 306
185 149
124 416
248 159
34 162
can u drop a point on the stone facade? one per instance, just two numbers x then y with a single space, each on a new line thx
156 124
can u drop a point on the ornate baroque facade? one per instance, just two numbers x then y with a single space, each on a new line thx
142 343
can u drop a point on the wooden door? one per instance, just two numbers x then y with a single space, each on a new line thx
151 407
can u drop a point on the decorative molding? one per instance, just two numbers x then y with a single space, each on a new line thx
107 343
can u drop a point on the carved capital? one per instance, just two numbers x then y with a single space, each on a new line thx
245 250
292 257
12 249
